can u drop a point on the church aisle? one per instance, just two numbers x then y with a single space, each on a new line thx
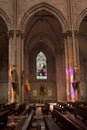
38 119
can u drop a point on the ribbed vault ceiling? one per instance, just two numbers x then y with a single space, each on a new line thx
44 27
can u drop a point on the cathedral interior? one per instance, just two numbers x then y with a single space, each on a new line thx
43 64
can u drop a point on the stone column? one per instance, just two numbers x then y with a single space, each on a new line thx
22 73
16 58
60 77
20 63
12 61
72 62
66 38
76 63
69 65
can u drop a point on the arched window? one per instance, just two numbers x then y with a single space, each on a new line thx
41 66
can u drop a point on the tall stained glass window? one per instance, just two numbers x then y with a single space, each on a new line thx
41 66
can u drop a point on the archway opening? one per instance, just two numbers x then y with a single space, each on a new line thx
83 57
44 33
4 62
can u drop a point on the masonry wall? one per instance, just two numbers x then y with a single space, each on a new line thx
21 7
16 9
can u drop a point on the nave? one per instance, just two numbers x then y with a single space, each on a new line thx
18 117
48 116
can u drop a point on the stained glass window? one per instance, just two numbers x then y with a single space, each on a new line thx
41 66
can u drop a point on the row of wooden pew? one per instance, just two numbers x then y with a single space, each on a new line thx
69 115
20 110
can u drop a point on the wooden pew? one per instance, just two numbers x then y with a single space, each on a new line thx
51 124
10 107
81 113
65 122
25 123
77 103
20 109
45 108
30 108
1 106
70 108
61 104
78 116
77 121
4 117
77 112
60 108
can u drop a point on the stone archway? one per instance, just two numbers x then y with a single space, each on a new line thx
80 18
82 38
5 25
47 7
53 41
6 19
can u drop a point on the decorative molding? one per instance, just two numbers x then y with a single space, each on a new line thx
76 33
39 7
11 33
18 34
69 33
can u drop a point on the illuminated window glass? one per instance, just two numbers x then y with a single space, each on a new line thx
41 66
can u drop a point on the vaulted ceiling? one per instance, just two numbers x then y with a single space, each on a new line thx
43 27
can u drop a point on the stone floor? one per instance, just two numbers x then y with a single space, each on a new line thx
39 118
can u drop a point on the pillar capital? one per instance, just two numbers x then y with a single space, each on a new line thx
69 33
11 33
17 33
76 33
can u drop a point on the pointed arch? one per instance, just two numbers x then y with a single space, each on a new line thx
80 18
41 66
6 19
47 7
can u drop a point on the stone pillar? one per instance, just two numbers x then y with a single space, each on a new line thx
76 63
66 38
72 61
16 58
22 73
69 65
20 63
12 62
60 77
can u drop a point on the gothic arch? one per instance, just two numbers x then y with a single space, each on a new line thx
48 8
38 36
80 18
6 19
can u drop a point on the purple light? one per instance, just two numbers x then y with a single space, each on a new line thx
69 78
71 86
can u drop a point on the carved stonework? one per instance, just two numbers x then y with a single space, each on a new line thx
76 33
18 33
68 33
11 33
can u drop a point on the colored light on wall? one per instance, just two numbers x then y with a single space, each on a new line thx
69 86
